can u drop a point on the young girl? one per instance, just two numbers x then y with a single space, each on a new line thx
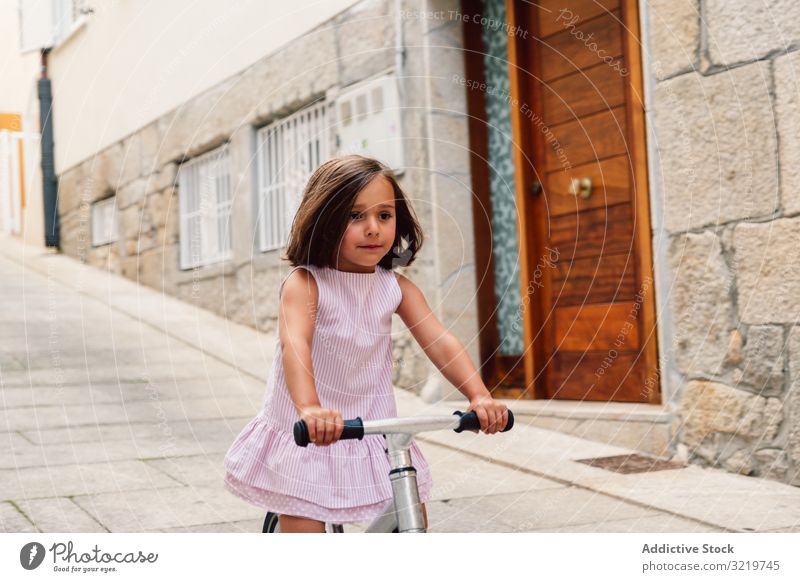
333 358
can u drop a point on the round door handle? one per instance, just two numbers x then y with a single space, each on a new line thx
581 187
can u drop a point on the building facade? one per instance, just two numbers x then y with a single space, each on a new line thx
607 190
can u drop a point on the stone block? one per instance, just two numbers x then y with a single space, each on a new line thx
787 106
294 75
445 47
150 144
166 177
767 259
411 366
762 365
717 147
739 30
71 191
772 464
194 127
450 144
710 407
793 400
130 224
169 200
674 36
734 355
365 36
151 269
131 162
131 193
739 462
701 303
105 170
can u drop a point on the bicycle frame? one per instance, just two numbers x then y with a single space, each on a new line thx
405 512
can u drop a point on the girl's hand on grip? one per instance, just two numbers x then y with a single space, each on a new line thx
325 425
492 414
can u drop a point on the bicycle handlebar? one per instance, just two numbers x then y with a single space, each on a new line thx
354 429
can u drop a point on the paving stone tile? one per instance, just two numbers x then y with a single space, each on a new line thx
36 417
196 430
247 526
59 514
193 470
169 507
66 480
12 521
662 523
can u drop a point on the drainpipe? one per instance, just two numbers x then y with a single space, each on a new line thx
49 183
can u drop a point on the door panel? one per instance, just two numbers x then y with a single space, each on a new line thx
592 233
596 318
567 51
588 139
599 376
600 279
602 326
582 93
611 184
556 13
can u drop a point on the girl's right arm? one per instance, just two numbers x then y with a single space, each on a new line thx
296 319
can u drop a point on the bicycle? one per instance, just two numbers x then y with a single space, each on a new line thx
404 514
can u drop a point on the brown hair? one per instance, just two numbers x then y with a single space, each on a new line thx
324 214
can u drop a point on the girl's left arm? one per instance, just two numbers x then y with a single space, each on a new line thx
448 355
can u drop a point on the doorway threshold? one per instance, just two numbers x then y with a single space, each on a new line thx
641 427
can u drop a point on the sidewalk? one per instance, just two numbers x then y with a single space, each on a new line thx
118 404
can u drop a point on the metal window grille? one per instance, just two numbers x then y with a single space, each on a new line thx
104 221
205 201
289 151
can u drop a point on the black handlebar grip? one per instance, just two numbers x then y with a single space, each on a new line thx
469 421
353 429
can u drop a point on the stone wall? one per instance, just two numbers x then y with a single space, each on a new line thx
357 44
727 120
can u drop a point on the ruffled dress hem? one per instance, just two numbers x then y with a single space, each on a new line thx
274 453
288 505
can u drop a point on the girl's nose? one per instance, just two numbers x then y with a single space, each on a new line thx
372 225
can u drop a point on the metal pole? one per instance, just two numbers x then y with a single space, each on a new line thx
49 183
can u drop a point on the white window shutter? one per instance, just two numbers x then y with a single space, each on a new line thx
35 24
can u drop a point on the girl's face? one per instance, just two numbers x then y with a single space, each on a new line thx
370 232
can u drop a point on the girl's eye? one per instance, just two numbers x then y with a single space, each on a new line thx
357 215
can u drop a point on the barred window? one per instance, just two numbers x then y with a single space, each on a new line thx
205 201
289 151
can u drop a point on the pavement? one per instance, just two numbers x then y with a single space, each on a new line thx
118 403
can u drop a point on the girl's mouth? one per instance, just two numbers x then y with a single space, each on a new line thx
370 247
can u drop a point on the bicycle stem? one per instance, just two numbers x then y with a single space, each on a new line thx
407 512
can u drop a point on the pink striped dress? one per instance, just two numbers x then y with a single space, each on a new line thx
347 481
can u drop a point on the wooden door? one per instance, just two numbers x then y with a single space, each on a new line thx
583 189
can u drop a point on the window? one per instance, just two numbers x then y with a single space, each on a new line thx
104 222
46 24
204 192
289 151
